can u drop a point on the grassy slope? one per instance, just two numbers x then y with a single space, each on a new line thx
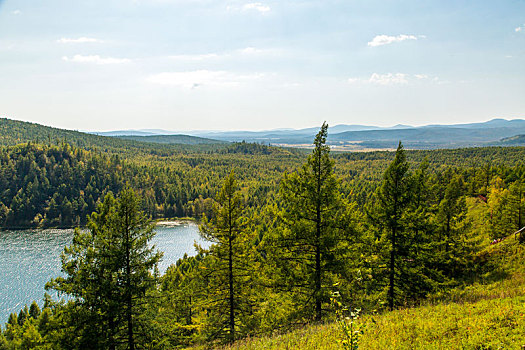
488 315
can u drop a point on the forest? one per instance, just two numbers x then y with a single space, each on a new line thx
300 237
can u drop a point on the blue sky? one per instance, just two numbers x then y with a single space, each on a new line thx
232 64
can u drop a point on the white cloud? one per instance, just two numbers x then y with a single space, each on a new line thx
95 59
246 52
250 51
393 79
16 12
257 6
388 79
198 78
253 51
520 29
198 57
253 6
380 40
80 40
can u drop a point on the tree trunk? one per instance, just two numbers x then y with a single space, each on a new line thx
230 276
519 214
318 309
318 306
392 270
129 300
448 233
111 325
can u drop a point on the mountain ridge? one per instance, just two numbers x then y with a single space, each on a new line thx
501 122
495 132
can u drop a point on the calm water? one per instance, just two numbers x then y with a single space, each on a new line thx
30 258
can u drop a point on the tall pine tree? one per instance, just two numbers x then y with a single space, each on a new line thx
395 196
314 234
109 269
227 267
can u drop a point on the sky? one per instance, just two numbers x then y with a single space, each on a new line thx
101 65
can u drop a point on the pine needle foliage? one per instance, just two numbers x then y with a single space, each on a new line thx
227 268
314 236
109 269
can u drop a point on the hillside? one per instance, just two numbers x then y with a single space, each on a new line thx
514 140
360 137
428 137
172 139
487 314
52 177
13 132
342 137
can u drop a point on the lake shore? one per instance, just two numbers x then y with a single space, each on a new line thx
162 222
175 222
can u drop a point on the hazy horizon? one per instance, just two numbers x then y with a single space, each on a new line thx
154 129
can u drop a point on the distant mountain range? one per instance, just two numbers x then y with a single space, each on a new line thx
307 131
495 132
172 139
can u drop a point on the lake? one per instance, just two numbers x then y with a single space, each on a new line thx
30 258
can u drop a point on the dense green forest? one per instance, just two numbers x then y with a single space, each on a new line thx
47 186
57 183
14 132
291 230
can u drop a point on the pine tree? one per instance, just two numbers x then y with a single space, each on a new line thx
227 266
315 233
516 190
502 210
418 264
452 227
179 312
108 273
34 310
395 196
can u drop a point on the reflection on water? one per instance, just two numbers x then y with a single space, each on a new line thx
30 258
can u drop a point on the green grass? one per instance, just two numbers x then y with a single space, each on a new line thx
488 314
503 275
486 324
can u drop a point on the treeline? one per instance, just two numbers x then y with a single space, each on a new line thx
275 263
53 186
59 185
14 132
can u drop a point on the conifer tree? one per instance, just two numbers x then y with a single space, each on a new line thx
452 227
108 273
315 232
34 310
395 196
418 264
409 232
227 269
502 213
